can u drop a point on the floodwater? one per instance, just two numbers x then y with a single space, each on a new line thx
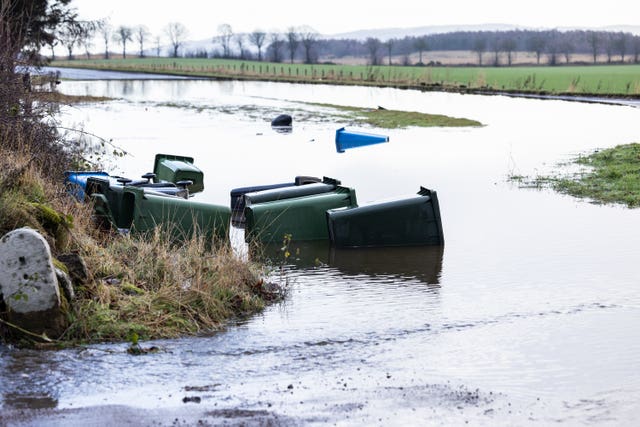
529 315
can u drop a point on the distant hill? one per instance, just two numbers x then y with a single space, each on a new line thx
389 33
633 29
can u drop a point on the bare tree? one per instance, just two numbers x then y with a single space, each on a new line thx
389 45
567 48
373 46
509 46
53 45
225 35
293 41
537 45
123 35
87 32
308 38
620 44
70 35
239 38
257 38
141 34
553 48
480 47
106 30
609 48
496 47
635 45
594 42
277 43
177 33
420 44
158 42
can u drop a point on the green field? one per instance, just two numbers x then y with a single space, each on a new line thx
602 80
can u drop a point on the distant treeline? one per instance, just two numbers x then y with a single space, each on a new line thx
304 44
495 47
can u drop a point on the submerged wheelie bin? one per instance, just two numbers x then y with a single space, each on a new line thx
409 221
303 217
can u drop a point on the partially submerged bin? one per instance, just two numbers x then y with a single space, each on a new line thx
76 182
171 168
303 218
270 195
237 194
181 218
352 139
107 202
141 210
410 221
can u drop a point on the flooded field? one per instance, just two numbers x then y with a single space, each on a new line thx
529 315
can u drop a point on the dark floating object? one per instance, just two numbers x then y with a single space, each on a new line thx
282 120
350 139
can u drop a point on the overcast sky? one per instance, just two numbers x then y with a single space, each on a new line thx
203 17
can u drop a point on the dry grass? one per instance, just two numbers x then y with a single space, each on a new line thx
155 290
145 284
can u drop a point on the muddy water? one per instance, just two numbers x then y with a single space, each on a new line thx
529 315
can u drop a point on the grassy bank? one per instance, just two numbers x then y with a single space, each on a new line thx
143 287
602 80
606 176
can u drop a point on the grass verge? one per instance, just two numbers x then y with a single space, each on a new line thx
607 176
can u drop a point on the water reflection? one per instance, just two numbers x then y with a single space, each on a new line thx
29 401
30 379
282 129
423 263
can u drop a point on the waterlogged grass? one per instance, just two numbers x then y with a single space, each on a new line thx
347 115
394 119
607 176
603 80
74 99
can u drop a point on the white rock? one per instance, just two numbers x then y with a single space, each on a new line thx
27 277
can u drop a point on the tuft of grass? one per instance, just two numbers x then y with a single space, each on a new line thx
608 176
612 176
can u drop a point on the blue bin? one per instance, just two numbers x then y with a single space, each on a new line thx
76 182
349 139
